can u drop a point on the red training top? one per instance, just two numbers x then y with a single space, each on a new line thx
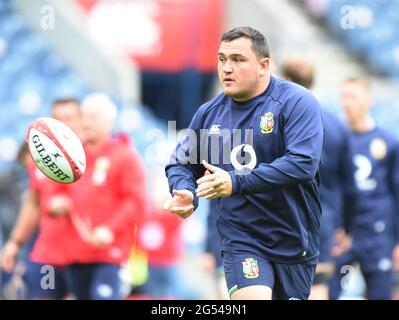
113 193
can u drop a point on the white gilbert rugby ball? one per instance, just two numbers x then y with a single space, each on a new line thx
56 150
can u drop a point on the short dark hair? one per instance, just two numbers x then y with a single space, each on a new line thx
299 70
65 100
259 42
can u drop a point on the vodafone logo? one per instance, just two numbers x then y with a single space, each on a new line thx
236 154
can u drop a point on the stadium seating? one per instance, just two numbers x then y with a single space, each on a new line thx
32 75
368 28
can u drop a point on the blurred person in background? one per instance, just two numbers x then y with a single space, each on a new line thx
36 214
212 255
104 206
160 235
373 229
13 186
337 185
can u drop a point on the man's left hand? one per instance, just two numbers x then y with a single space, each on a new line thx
59 205
102 236
216 183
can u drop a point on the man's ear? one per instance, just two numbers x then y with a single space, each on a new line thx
264 64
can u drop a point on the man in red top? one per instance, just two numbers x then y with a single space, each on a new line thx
35 208
104 206
160 236
90 230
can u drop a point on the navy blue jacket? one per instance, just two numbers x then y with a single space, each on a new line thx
271 145
337 188
375 155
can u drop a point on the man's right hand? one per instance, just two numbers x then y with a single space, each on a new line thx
208 262
9 255
59 205
342 243
181 204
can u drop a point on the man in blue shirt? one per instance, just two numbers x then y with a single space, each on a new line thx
373 229
256 148
337 194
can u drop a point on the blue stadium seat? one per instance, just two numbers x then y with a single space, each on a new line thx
375 30
5 8
13 26
32 76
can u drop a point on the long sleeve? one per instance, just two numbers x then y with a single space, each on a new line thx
346 172
303 137
184 166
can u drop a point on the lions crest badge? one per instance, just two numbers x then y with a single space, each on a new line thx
378 148
267 123
250 268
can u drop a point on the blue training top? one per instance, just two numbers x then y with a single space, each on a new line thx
271 145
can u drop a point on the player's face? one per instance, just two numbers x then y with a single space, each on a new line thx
69 113
356 101
239 69
95 125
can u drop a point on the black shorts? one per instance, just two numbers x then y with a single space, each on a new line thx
287 281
